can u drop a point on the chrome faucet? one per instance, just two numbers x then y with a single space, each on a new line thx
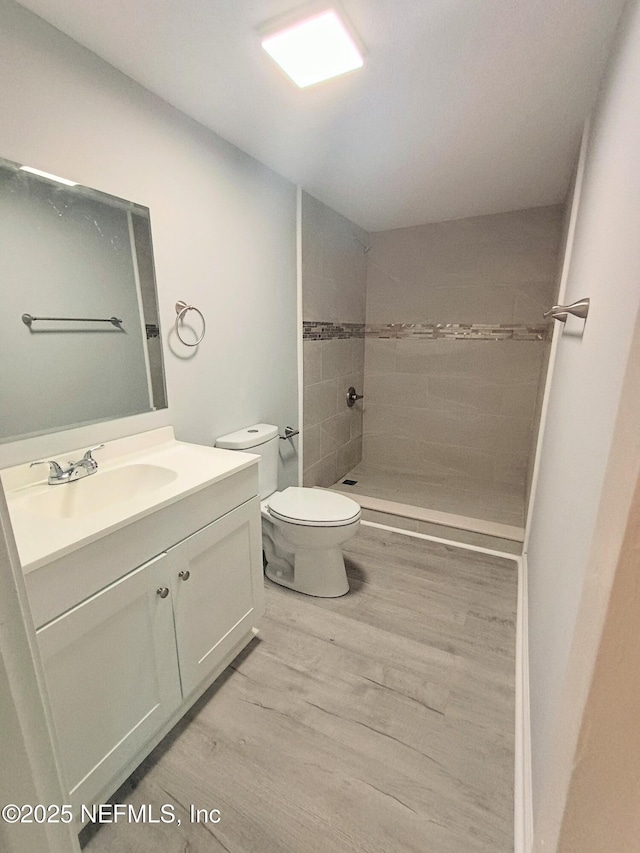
76 470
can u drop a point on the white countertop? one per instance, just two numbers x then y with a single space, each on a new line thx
41 539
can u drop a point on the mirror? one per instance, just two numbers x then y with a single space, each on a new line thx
79 328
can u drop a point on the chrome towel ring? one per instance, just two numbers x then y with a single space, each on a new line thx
181 310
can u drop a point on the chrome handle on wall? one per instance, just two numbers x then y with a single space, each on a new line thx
560 312
162 591
352 396
184 575
289 432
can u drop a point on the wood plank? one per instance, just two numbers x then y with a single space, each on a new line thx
380 721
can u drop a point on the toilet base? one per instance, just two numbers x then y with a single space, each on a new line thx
307 559
318 573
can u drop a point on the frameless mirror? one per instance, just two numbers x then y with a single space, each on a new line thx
79 326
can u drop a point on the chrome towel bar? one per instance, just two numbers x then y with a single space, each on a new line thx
28 319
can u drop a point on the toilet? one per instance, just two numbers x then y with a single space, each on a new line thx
303 529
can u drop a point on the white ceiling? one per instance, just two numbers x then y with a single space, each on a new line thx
463 107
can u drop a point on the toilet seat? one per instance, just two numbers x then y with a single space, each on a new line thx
313 507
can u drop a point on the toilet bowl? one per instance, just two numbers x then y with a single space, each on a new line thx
303 529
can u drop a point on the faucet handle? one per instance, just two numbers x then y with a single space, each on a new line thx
54 469
88 456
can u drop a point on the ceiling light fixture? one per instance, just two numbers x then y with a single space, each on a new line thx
48 176
314 49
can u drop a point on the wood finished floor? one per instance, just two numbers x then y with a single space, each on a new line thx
380 722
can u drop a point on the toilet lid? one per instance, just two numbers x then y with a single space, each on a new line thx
313 507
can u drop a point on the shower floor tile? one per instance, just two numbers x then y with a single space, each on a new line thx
500 503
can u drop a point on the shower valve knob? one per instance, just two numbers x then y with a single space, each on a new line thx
352 396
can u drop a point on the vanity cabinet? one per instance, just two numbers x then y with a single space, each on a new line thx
213 595
125 664
112 675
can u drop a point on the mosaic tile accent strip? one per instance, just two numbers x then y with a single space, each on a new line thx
315 331
462 331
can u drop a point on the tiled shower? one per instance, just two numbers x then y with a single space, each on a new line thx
440 326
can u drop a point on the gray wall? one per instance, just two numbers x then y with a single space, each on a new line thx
333 312
223 225
580 507
448 406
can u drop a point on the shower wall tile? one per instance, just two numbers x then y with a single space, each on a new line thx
412 355
507 248
336 432
470 303
439 401
348 456
319 402
490 433
504 362
332 430
510 468
334 271
442 358
379 356
450 459
319 297
334 268
461 395
531 300
312 362
396 389
501 434
429 271
313 444
433 405
323 473
383 450
314 227
379 419
425 458
390 300
357 422
337 358
519 400
357 351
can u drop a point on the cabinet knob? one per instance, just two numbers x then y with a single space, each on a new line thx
185 575
163 591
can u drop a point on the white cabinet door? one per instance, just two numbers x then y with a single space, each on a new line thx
219 595
112 673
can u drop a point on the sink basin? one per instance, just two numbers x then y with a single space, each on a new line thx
138 476
98 492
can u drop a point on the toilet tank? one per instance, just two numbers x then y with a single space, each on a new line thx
261 439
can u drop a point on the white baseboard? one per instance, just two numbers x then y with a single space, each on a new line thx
466 546
523 804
